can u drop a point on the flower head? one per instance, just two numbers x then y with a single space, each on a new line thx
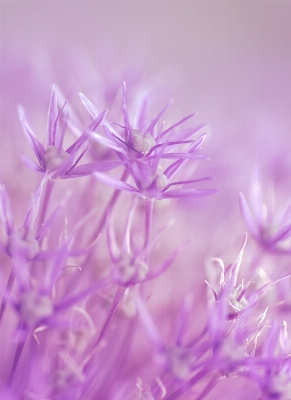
54 161
271 230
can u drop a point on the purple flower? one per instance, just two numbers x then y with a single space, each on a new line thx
54 160
154 182
228 290
271 230
130 261
20 243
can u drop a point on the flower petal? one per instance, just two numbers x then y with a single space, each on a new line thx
37 147
31 164
87 169
82 139
5 210
115 183
52 118
128 130
180 193
156 120
177 124
248 216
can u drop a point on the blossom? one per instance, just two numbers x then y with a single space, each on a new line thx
142 142
269 229
130 261
154 182
54 160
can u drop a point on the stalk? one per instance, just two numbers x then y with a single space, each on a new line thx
208 388
108 208
16 359
8 289
45 202
148 220
187 385
116 300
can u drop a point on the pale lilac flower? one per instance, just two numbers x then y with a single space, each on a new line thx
131 260
270 228
142 141
154 182
54 160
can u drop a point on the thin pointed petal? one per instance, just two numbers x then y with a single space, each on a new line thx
69 302
127 230
186 182
89 106
158 117
34 208
88 169
114 251
167 263
82 139
128 130
5 210
176 194
149 326
37 147
95 112
248 216
106 142
141 113
52 218
183 156
115 183
283 234
52 118
184 318
235 267
31 164
177 124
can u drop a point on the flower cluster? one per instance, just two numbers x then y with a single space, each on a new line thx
80 272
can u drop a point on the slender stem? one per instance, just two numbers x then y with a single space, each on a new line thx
187 385
148 220
198 338
210 385
109 208
9 286
45 201
116 300
16 359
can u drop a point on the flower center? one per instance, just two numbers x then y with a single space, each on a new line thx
155 181
129 268
142 142
281 386
180 361
22 244
53 159
34 307
235 306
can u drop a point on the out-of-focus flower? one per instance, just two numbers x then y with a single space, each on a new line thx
130 261
20 243
228 290
272 230
274 377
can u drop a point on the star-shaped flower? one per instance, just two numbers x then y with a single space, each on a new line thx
54 160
